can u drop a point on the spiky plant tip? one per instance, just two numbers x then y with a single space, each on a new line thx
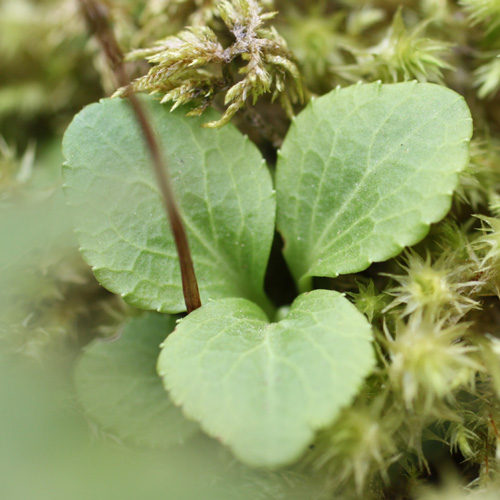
487 78
429 362
483 11
481 179
439 12
317 43
494 204
488 249
489 350
403 55
357 447
465 440
369 300
451 241
433 289
487 14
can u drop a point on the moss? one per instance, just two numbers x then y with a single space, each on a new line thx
435 310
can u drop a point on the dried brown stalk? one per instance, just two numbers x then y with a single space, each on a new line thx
97 20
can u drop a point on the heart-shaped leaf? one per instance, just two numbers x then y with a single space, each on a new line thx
264 389
363 172
119 388
222 186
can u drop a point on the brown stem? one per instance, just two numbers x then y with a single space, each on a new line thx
97 20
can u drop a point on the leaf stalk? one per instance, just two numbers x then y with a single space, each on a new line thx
97 20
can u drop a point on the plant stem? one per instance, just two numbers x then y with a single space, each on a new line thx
305 284
97 20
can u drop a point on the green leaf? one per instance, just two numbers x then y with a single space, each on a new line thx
222 186
119 388
264 389
363 172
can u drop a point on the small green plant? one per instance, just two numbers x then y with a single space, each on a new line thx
194 65
346 344
362 173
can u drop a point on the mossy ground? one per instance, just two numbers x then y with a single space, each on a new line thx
427 423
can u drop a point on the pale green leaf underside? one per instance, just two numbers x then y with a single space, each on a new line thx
363 172
264 389
221 183
119 388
